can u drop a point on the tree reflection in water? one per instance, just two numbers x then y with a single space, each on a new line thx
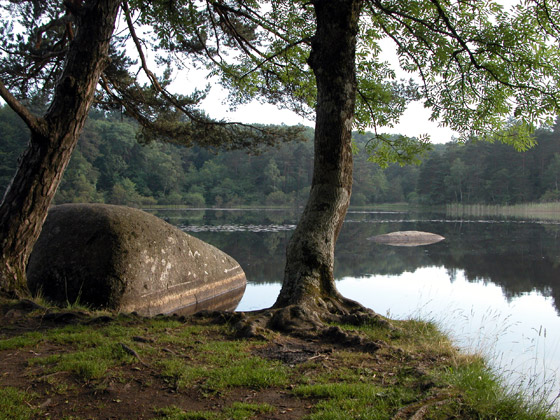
518 256
493 283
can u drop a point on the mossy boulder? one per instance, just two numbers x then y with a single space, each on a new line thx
128 260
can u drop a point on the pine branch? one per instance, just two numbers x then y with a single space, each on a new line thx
35 124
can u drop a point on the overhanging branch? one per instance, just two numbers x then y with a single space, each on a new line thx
35 124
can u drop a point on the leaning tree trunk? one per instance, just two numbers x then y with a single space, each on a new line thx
53 138
310 255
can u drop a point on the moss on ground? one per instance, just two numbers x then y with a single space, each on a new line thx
63 364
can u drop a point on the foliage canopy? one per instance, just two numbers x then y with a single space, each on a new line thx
36 39
483 70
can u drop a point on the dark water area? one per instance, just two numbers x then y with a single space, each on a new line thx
493 284
519 256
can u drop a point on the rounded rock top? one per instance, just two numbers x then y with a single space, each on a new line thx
125 259
407 238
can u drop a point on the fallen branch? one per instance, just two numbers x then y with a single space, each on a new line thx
418 410
132 352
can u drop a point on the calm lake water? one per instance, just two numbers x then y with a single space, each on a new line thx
493 284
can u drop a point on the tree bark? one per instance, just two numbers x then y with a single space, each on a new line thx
53 138
310 254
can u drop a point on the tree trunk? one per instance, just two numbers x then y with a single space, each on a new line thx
310 254
27 199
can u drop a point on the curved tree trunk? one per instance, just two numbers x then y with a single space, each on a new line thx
310 255
53 138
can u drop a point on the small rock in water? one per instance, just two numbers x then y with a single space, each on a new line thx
407 238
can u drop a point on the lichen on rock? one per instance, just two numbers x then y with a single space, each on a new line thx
128 260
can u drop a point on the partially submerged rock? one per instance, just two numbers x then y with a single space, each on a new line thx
407 238
127 260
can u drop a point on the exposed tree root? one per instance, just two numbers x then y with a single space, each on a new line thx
312 318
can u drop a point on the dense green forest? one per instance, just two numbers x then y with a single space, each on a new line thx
109 165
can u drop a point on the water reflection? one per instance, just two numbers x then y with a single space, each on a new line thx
520 336
520 257
494 284
227 301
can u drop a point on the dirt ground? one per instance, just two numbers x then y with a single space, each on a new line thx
137 388
131 391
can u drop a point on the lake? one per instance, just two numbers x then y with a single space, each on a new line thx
493 284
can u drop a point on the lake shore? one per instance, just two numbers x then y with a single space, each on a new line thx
76 364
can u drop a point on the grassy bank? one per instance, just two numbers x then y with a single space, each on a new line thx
62 364
543 211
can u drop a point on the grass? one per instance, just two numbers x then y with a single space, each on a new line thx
87 370
225 365
485 391
412 335
237 411
88 364
353 400
15 404
21 341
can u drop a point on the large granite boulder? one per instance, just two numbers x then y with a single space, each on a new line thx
127 260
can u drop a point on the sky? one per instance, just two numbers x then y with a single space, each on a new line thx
414 122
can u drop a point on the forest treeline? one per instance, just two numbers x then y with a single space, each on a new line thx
109 165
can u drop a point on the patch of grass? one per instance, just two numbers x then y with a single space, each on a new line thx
350 368
180 374
343 401
484 393
237 411
26 340
253 372
15 404
84 336
159 324
374 330
416 370
250 372
223 365
175 413
80 336
337 391
466 386
221 353
87 364
184 334
412 336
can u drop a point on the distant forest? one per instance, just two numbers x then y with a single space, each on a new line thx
109 165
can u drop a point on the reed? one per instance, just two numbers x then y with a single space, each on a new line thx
541 211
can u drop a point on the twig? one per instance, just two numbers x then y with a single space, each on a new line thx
132 352
420 408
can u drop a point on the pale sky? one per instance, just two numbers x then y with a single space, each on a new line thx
414 122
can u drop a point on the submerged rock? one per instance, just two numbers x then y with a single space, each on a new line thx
407 238
127 260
